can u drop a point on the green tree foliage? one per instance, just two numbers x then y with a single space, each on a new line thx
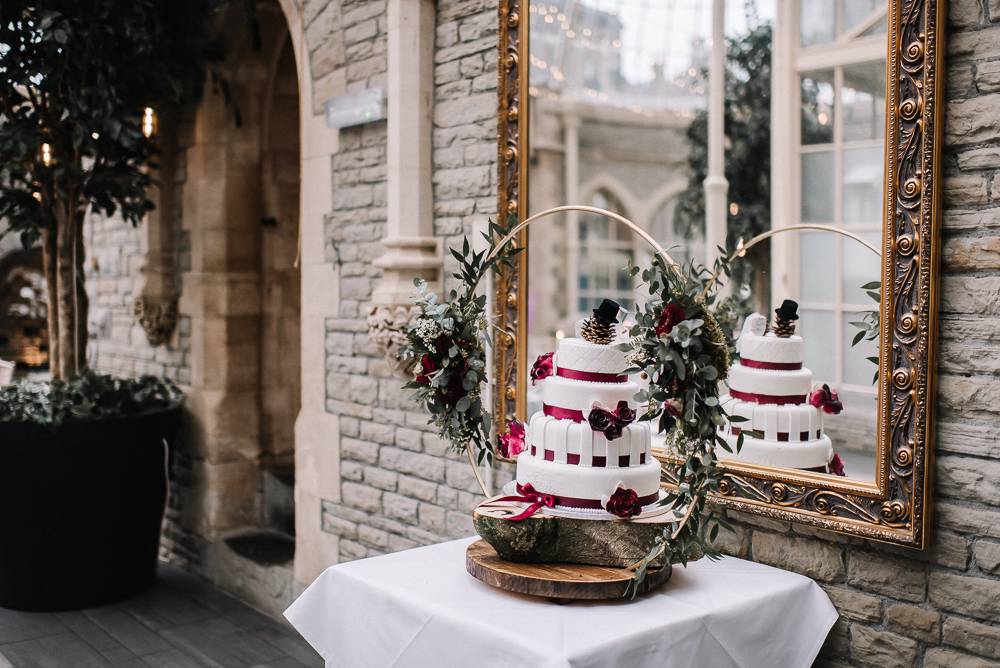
748 149
75 78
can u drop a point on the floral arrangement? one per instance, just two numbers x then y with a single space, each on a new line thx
871 321
445 348
681 342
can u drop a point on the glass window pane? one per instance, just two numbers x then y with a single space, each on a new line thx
856 11
862 187
817 187
877 29
817 22
863 101
861 266
818 330
817 267
816 90
858 370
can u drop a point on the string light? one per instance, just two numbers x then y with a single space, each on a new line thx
148 122
37 195
95 135
734 208
46 154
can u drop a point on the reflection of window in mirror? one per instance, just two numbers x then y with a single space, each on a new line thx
836 96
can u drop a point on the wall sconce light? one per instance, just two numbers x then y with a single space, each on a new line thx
148 122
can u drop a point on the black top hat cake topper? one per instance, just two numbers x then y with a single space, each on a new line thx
785 317
602 326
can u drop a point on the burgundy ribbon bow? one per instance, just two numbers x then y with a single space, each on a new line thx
611 423
527 494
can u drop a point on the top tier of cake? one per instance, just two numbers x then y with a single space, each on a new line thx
587 373
770 370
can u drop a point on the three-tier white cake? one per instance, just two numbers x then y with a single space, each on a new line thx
586 443
769 388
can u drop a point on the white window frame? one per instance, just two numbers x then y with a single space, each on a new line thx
789 62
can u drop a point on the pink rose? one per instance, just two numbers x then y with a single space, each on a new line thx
512 442
826 399
542 368
624 503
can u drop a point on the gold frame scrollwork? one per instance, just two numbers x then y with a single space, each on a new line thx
896 507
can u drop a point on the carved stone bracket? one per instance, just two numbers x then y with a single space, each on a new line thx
157 316
387 327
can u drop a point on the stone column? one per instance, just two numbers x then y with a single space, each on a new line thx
571 156
411 249
716 185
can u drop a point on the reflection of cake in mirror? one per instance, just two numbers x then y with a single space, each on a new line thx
586 447
773 393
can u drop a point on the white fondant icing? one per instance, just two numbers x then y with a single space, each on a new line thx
793 419
583 355
769 381
581 395
771 348
804 455
582 482
565 437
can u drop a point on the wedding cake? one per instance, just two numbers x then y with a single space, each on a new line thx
586 449
771 390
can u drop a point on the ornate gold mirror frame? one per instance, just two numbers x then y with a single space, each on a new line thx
896 507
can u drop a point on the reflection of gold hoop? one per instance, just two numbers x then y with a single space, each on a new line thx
586 209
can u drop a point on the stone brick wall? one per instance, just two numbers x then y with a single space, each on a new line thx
400 486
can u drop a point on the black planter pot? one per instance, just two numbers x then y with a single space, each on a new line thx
80 510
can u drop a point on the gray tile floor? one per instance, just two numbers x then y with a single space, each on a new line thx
181 622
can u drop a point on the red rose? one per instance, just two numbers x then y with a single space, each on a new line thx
674 407
624 414
836 465
624 503
671 314
542 368
427 366
826 399
512 442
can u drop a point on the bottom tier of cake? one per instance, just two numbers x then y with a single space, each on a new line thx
811 454
581 483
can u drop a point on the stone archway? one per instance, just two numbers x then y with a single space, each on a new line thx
241 205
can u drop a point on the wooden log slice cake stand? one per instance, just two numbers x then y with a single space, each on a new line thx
564 557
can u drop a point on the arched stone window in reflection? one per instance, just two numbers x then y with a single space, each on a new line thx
662 228
605 249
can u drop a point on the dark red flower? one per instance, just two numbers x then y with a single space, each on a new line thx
671 314
427 366
512 442
600 419
826 399
624 503
625 414
674 407
613 430
542 368
836 465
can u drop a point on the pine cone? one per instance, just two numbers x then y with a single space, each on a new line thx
783 328
598 332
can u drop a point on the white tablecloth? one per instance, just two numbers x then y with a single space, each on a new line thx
420 608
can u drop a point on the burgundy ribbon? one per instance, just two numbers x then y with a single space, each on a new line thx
536 500
562 413
527 494
591 376
778 366
768 398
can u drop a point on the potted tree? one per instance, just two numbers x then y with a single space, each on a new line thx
82 457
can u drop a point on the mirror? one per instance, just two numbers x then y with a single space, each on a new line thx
616 103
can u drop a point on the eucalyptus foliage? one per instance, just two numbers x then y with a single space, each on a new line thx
870 324
89 396
682 342
446 347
